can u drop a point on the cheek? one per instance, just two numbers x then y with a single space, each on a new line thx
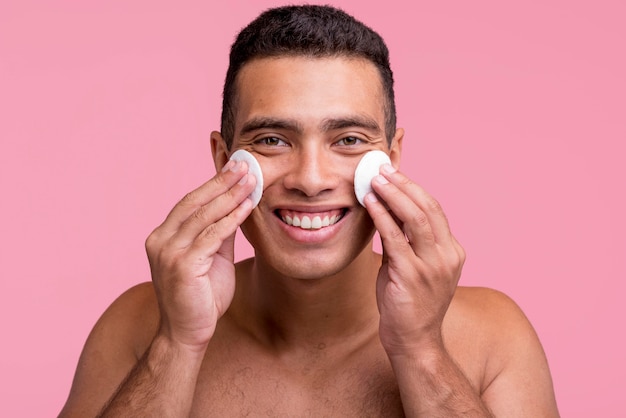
273 171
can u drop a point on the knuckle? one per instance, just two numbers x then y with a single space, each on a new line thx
219 179
433 205
406 181
452 264
220 229
230 195
152 241
428 236
457 252
209 213
419 219
200 214
219 183
396 234
164 252
189 199
462 255
214 235
171 263
211 232
460 263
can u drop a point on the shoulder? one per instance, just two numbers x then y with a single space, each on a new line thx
137 300
115 344
491 321
477 325
485 308
486 328
132 319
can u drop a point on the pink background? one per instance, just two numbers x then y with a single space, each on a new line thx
515 118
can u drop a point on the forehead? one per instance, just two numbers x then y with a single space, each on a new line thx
309 89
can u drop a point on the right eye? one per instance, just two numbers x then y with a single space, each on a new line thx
272 141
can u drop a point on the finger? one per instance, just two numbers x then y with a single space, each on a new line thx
391 233
227 250
214 211
219 236
412 221
232 173
427 204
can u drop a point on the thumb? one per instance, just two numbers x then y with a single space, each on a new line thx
385 254
227 249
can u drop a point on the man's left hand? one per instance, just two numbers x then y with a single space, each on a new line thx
422 263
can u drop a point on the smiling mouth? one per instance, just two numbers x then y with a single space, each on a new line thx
305 220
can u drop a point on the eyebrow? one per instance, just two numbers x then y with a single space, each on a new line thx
329 124
263 122
357 121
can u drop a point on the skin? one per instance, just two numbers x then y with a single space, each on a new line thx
316 323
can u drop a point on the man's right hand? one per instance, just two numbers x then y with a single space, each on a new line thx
191 256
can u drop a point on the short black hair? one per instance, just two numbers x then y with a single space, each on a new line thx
311 31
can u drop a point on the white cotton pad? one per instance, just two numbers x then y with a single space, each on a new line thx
253 168
366 170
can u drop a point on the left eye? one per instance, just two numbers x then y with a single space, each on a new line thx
349 140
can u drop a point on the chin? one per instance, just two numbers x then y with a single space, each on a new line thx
312 264
307 269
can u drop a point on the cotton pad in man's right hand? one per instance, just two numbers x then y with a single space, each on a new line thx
366 170
253 168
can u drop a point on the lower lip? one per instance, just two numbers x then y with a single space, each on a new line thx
311 236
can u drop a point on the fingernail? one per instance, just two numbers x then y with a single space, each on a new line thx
370 197
388 168
236 167
227 166
380 180
247 203
243 180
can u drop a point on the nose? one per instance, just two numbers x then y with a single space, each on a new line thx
312 172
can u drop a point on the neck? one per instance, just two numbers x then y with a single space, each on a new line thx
283 312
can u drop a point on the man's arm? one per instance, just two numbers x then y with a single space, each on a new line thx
115 345
161 384
113 354
432 385
515 379
191 259
416 283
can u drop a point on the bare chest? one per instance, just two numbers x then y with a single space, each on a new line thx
235 387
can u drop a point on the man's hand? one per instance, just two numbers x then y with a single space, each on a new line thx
421 267
191 256
422 264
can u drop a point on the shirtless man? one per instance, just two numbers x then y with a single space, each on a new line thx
316 324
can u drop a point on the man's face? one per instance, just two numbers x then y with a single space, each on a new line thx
308 121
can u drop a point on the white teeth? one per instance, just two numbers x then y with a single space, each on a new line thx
316 223
307 223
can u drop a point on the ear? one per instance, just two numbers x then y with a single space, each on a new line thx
219 149
395 149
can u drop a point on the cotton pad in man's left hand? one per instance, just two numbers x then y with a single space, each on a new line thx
253 168
366 170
